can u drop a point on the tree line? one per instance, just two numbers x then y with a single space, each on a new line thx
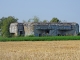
6 21
36 19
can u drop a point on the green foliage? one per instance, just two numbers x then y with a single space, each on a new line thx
34 19
30 36
53 38
79 34
1 21
5 25
55 20
45 21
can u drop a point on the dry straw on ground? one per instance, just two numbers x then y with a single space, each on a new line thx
41 50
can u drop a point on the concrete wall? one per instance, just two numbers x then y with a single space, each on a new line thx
28 28
56 29
16 29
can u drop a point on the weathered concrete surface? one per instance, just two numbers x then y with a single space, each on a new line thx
43 29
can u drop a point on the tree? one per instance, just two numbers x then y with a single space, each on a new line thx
45 21
5 25
1 21
55 20
34 19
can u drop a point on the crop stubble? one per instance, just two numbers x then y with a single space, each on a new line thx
40 50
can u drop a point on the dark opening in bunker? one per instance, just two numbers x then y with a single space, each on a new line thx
46 31
21 33
40 35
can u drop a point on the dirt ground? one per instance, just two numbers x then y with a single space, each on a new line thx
40 50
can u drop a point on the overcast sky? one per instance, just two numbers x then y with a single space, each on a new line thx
68 10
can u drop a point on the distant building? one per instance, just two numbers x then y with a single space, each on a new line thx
43 29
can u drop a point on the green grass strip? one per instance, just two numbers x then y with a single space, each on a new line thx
52 38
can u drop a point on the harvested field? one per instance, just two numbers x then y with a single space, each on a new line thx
40 50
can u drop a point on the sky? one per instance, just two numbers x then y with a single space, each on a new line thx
64 10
